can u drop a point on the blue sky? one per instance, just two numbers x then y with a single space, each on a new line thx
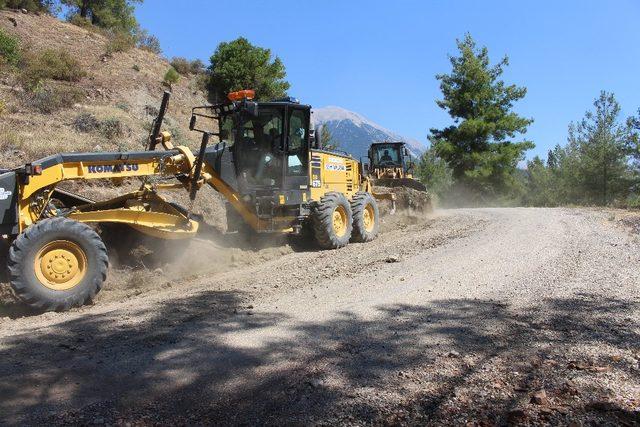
380 58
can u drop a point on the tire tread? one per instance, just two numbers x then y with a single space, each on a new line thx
25 291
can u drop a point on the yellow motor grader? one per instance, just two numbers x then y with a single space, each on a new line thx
264 162
390 165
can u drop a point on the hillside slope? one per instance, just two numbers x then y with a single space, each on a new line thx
112 89
123 88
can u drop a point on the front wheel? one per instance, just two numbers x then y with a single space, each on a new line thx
366 217
332 221
57 264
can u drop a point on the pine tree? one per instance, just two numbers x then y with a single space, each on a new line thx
478 146
600 144
634 141
541 182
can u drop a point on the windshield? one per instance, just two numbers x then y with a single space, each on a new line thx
386 155
265 130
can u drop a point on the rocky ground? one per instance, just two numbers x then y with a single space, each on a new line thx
474 317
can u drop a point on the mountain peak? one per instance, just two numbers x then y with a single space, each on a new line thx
332 113
354 133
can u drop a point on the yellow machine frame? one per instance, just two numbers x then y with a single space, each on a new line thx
146 211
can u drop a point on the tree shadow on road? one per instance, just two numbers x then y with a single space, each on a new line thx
450 361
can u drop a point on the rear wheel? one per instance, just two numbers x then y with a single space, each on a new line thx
366 217
57 264
332 221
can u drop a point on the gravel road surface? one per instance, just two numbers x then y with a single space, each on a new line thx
486 316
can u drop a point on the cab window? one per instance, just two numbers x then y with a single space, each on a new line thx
297 149
387 155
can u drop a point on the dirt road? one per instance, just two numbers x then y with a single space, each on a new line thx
490 315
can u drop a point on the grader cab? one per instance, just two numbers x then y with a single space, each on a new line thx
264 162
391 165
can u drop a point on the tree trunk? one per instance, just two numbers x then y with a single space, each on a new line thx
84 8
604 186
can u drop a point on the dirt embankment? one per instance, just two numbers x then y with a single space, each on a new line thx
122 87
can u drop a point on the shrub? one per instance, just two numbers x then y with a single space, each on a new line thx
120 42
9 49
30 5
122 106
86 122
51 64
111 128
197 66
149 42
136 67
48 99
186 67
177 136
171 76
633 201
181 65
202 82
151 110
81 22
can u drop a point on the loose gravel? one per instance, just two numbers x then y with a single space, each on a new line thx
475 317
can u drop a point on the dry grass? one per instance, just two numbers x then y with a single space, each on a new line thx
110 84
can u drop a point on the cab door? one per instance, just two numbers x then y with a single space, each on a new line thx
296 164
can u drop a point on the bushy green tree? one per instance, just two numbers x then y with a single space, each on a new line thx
434 173
479 146
238 65
117 15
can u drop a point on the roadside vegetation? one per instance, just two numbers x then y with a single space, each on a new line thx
478 159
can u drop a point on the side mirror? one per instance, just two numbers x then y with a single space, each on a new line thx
406 152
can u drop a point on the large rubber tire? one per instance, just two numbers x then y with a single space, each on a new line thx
40 242
331 232
366 217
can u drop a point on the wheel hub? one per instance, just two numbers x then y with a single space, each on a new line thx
60 265
339 221
369 218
